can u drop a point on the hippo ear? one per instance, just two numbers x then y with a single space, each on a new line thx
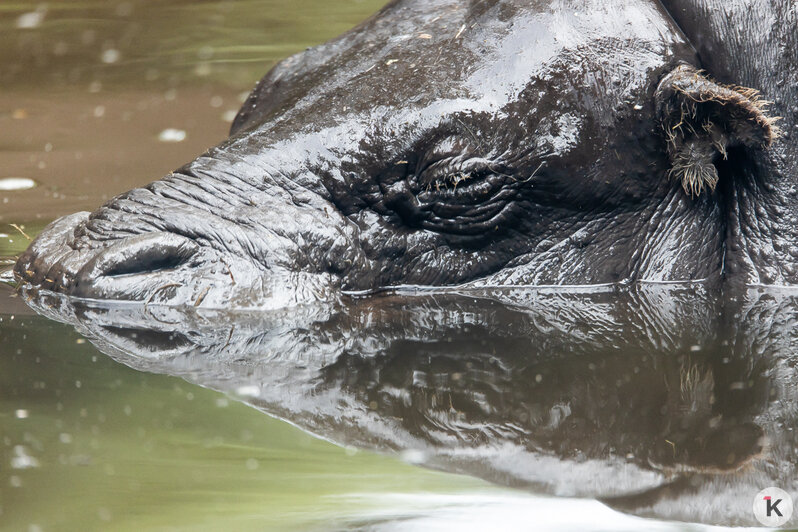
701 119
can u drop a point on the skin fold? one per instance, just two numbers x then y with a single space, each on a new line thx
473 143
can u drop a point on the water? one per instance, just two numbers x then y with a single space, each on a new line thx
505 409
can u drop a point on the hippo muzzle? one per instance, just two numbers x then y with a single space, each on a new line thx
457 143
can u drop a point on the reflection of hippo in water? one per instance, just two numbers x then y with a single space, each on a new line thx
650 399
456 142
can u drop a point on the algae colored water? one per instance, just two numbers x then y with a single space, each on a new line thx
509 410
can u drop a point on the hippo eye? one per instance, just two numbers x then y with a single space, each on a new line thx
451 173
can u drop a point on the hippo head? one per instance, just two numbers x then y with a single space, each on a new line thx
464 142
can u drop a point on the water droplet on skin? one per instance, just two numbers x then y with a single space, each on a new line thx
248 391
412 456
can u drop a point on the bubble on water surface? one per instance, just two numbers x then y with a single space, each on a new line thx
172 135
16 183
110 56
23 460
32 19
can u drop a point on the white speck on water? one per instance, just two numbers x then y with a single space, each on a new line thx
65 438
222 402
124 9
205 52
14 481
172 135
16 183
99 111
21 458
252 464
217 101
104 514
248 391
48 147
110 56
32 19
21 414
127 410
33 527
202 69
229 115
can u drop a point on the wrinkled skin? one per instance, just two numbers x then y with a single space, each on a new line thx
649 399
455 142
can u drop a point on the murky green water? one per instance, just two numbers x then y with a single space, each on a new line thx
164 421
89 444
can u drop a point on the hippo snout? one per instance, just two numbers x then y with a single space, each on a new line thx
154 247
51 261
142 267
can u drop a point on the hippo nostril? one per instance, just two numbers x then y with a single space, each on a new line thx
126 269
142 254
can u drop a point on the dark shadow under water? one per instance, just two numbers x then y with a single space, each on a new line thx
662 401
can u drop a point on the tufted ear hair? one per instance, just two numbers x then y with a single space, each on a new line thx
702 119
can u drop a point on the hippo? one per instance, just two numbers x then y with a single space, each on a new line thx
474 143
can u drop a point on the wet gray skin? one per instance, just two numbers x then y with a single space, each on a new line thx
661 401
473 143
